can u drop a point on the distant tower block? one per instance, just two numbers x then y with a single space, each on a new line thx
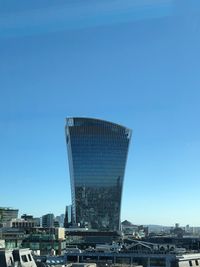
176 225
97 153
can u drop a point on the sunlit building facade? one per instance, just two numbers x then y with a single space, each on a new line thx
97 153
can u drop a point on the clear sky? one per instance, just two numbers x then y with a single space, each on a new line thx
136 63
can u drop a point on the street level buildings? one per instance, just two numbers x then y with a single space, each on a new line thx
97 153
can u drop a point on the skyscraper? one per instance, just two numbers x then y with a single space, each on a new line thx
68 217
97 153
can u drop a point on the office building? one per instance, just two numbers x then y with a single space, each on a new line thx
60 220
22 223
37 221
48 220
27 217
97 153
46 241
6 215
68 216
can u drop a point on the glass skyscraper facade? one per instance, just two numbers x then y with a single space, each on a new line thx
97 153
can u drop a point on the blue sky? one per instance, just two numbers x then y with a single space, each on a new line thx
131 62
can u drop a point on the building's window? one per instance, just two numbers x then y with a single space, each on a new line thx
157 262
196 261
190 263
24 258
11 260
29 257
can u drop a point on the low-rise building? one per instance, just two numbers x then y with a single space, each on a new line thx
13 237
46 241
22 224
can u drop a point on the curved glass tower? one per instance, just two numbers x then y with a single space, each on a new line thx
97 153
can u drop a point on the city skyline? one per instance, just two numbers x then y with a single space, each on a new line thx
139 69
